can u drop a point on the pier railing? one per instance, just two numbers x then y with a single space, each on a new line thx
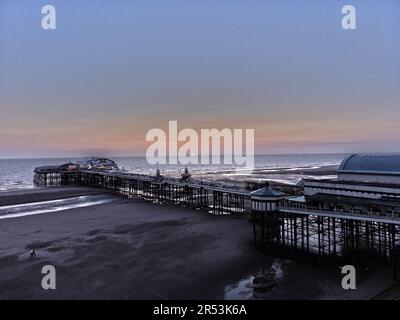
337 212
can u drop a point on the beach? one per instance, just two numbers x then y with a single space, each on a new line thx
132 249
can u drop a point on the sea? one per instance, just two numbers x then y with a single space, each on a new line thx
18 173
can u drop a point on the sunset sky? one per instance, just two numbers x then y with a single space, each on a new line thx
112 70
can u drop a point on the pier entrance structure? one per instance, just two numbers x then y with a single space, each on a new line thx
355 217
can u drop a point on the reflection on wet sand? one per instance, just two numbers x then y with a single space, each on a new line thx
34 208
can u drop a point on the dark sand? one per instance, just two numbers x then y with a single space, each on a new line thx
130 249
44 194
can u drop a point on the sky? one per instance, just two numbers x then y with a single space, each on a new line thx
112 70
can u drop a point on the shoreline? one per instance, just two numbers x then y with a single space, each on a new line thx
238 176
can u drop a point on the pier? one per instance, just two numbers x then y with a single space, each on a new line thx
325 234
347 220
354 218
215 198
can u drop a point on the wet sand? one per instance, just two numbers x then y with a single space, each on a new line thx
44 194
131 249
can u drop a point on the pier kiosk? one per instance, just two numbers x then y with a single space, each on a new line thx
264 211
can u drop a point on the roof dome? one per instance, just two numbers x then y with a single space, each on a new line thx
267 192
372 163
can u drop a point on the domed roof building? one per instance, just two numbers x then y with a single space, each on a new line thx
266 199
389 163
373 168
370 176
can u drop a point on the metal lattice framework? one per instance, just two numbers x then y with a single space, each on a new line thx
214 198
